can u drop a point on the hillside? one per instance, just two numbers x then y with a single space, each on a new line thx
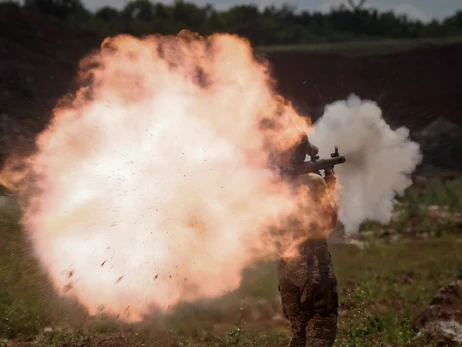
414 85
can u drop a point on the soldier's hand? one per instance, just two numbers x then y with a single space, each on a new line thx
331 181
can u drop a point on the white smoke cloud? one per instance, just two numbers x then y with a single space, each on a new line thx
379 159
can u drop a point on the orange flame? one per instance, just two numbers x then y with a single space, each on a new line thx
151 183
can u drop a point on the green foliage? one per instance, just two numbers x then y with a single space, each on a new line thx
382 288
443 193
18 315
3 190
371 226
444 196
459 271
271 25
64 338
106 14
28 302
61 9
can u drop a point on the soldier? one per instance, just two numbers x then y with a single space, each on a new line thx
307 282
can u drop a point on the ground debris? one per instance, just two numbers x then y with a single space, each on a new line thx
441 321
431 220
100 341
438 141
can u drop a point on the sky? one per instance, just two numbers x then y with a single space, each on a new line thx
424 10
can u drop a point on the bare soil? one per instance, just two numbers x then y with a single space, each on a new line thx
413 87
442 319
40 57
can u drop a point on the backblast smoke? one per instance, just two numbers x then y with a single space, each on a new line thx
151 186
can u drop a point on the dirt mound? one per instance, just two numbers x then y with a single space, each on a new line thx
441 144
38 60
441 322
413 88
112 341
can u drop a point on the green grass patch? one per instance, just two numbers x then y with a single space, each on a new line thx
435 193
382 288
365 47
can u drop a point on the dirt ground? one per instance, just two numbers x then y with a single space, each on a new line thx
413 88
38 64
39 60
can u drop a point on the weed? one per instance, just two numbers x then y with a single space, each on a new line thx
435 193
65 338
459 271
382 288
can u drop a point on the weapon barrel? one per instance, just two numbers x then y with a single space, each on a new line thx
314 166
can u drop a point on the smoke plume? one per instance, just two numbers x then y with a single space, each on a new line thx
379 159
151 185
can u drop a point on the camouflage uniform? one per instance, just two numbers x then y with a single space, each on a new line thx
307 282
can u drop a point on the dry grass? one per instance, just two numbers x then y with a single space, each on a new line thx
382 289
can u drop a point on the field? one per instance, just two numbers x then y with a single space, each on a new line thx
387 275
384 284
38 62
409 92
367 47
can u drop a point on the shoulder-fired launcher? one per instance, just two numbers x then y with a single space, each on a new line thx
315 165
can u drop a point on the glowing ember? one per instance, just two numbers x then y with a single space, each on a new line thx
153 185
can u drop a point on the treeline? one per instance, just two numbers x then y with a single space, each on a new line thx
268 26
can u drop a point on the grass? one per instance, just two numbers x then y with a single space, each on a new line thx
441 194
445 196
385 286
382 286
366 47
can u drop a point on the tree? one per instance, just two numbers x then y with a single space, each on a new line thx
356 6
61 9
455 21
270 25
9 3
142 10
107 13
191 15
358 12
